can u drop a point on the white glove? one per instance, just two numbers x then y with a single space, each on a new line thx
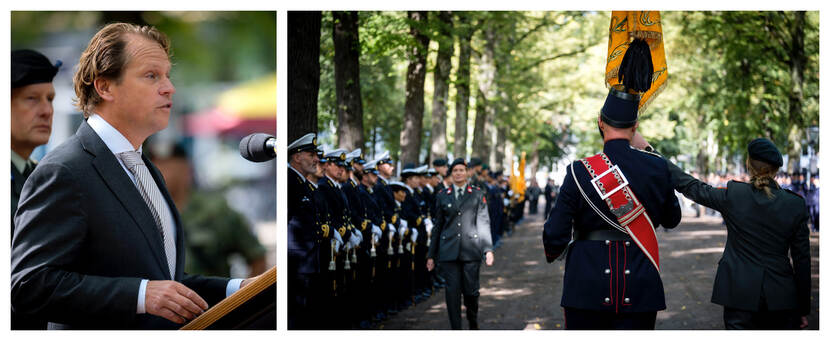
403 229
510 193
414 235
338 240
428 224
391 228
354 239
506 202
376 232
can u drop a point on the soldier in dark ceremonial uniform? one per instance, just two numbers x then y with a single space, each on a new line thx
386 200
423 226
371 247
459 242
31 125
476 167
763 278
304 234
442 168
342 228
402 245
813 202
495 207
361 267
612 202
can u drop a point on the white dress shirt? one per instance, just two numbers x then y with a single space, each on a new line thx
117 143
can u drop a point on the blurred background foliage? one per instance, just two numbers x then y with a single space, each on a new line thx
733 76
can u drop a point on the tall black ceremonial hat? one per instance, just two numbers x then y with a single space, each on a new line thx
636 71
31 67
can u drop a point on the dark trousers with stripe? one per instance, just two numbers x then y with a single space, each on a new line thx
581 319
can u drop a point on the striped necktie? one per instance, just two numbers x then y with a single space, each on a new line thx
155 201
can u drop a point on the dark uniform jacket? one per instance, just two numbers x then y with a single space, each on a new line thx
412 213
614 276
85 238
358 211
762 235
462 227
337 206
303 232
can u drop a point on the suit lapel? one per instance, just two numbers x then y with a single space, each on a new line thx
125 191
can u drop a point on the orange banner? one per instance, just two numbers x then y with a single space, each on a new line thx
625 26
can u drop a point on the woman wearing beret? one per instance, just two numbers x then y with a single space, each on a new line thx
756 282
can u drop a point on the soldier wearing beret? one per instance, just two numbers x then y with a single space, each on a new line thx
31 126
763 278
613 201
459 242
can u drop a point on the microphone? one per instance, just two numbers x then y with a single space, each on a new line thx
258 147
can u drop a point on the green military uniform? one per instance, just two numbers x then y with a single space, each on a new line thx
756 276
214 231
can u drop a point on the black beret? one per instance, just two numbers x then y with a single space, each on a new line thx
764 150
620 109
456 162
31 67
439 162
474 161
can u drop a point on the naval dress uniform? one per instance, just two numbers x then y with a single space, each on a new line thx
610 283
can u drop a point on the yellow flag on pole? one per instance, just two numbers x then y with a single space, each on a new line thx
625 26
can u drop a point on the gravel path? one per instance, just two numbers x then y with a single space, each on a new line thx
522 291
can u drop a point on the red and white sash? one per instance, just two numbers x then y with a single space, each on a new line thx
612 186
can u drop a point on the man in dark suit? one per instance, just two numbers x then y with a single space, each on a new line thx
460 240
99 242
31 126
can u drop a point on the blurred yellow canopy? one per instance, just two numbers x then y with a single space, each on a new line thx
254 99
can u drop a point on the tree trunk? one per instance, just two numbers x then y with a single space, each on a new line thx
347 80
482 135
798 60
533 165
462 85
415 75
441 76
498 157
303 72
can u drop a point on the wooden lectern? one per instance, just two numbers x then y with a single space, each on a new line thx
252 307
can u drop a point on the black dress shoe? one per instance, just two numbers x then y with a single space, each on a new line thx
473 325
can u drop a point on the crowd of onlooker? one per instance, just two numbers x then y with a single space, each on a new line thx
795 182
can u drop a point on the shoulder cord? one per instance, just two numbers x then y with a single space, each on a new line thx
609 221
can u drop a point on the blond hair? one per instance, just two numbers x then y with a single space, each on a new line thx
106 57
761 175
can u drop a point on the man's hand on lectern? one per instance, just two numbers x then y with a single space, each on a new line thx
173 301
248 281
